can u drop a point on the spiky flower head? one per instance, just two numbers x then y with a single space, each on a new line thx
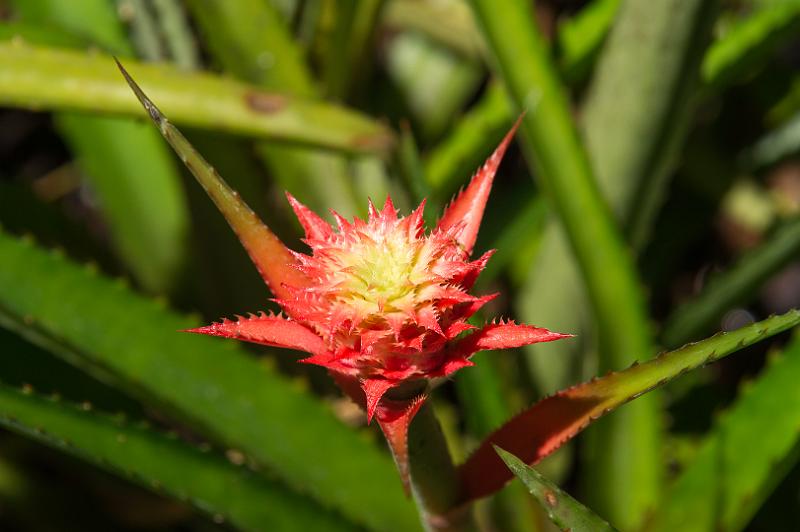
384 302
380 303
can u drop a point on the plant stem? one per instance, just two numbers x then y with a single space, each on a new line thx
434 478
434 481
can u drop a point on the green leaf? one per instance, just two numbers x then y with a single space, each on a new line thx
552 145
449 23
139 191
646 82
434 82
563 510
744 457
548 424
346 52
215 384
733 286
410 168
42 78
178 37
747 43
252 41
775 146
461 152
135 180
164 464
581 37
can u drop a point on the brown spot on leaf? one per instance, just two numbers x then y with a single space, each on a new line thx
265 102
379 142
550 498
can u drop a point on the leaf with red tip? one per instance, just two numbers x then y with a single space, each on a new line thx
394 419
267 330
544 427
468 206
505 336
315 227
270 256
373 391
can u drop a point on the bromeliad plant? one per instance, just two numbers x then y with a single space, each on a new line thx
379 303
384 307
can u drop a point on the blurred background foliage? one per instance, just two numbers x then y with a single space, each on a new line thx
653 198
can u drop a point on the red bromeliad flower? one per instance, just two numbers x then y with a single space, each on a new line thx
378 303
382 303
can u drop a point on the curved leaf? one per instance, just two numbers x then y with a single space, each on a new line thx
750 448
207 481
44 78
563 510
134 179
100 323
252 41
733 286
551 141
544 427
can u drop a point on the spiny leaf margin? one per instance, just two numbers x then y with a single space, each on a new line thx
163 464
548 424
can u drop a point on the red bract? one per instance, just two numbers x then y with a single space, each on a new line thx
382 303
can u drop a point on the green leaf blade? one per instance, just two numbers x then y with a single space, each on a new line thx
206 480
212 383
561 508
548 424
44 78
747 452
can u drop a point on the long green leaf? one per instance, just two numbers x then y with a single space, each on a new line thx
749 450
135 180
207 481
775 146
548 424
251 40
734 286
563 510
580 37
213 383
747 42
434 82
552 144
43 78
346 53
645 84
448 22
461 152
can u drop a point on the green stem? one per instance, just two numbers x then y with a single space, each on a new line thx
434 481
433 476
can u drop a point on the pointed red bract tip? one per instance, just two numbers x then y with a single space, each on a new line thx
506 335
468 206
269 330
373 392
394 420
314 226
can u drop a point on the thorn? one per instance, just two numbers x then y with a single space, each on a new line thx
149 106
